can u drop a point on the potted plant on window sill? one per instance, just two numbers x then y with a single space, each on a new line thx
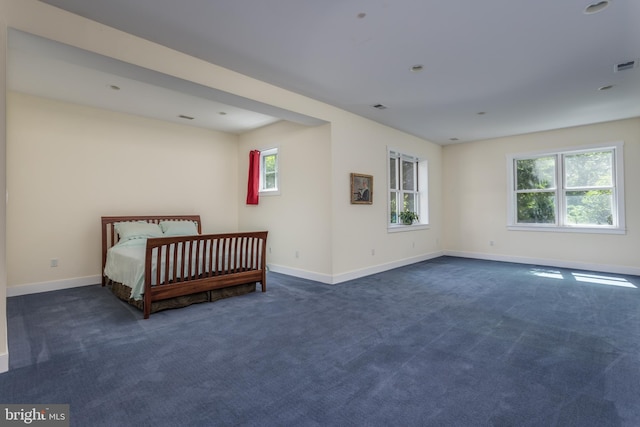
407 217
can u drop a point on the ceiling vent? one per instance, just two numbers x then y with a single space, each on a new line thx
626 65
380 107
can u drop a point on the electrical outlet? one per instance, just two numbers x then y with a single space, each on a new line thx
297 254
54 262
373 252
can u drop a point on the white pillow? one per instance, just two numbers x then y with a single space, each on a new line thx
137 230
179 228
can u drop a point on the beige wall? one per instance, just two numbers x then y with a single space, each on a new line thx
4 353
360 145
67 165
333 238
475 188
298 219
354 143
315 231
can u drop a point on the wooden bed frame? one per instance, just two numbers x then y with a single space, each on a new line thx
240 258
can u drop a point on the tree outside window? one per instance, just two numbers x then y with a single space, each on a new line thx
269 170
589 188
569 189
536 190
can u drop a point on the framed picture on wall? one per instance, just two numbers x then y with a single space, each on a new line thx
361 189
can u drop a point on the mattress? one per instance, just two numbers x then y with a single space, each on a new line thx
125 264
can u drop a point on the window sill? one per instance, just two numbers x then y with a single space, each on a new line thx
399 228
269 193
557 229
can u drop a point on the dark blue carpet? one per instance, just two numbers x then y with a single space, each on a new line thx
447 342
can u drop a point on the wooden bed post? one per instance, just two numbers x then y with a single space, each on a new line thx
264 262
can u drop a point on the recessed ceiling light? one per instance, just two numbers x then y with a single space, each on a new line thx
481 113
454 139
596 7
114 87
361 15
417 67
182 116
380 106
607 87
222 113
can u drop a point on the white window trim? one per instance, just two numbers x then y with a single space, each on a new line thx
399 228
618 176
274 191
423 191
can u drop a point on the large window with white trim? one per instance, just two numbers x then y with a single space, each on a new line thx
570 190
407 189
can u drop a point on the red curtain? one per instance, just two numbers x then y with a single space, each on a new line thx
253 186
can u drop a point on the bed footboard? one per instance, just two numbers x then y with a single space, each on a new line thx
176 266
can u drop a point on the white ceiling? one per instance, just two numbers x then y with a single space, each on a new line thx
529 66
54 70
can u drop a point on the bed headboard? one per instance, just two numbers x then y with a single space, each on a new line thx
110 237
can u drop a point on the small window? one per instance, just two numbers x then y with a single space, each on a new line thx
407 189
269 171
578 190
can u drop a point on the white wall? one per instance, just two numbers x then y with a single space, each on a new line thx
475 188
67 165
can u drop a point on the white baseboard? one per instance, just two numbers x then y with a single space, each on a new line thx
4 362
303 274
356 274
604 268
350 275
34 288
